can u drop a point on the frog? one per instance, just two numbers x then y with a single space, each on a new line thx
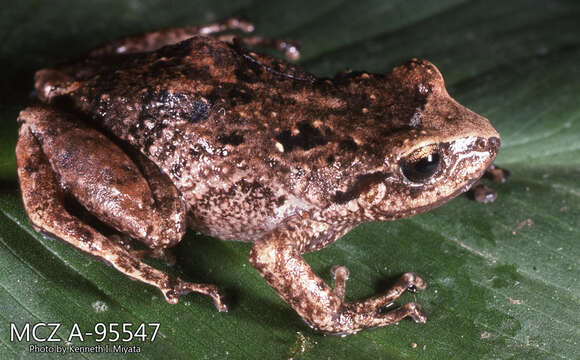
189 128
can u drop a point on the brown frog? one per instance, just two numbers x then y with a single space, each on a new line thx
155 132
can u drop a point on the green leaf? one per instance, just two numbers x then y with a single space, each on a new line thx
503 278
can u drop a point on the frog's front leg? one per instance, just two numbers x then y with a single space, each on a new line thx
58 158
278 258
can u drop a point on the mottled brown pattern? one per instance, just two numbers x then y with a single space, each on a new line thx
154 129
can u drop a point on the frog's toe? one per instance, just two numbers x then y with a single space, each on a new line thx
413 282
219 302
339 272
340 275
497 174
407 282
483 194
416 312
171 297
291 49
356 316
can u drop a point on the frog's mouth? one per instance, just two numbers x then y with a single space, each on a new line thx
460 164
424 208
466 155
443 200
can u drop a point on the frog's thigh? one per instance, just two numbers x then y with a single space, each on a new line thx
104 180
280 262
43 199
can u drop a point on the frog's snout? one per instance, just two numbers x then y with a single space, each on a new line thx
487 144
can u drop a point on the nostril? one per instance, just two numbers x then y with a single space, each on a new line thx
494 142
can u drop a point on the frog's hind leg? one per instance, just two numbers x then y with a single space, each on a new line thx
106 181
154 40
51 165
290 48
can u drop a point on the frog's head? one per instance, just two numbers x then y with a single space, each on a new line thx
443 149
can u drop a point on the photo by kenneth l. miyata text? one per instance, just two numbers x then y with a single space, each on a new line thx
82 349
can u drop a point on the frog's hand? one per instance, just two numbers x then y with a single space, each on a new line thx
278 259
483 193
46 133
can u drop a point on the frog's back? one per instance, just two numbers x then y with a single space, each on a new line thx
231 129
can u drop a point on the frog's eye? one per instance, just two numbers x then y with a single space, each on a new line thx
421 164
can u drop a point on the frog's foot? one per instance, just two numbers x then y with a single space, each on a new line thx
407 282
154 40
282 266
53 166
356 313
174 290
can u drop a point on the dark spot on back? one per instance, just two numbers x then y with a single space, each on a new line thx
180 49
232 138
222 56
194 152
362 184
31 166
164 104
218 93
239 96
159 70
248 187
198 73
199 111
348 144
281 200
308 138
233 94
